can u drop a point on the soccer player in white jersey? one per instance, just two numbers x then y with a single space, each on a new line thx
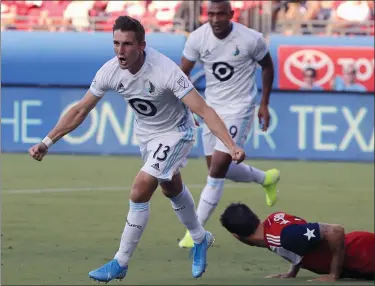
161 96
230 53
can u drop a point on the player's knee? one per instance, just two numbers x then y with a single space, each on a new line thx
143 188
219 166
173 187
217 172
208 162
140 195
168 189
169 193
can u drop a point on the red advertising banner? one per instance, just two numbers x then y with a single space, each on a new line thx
326 68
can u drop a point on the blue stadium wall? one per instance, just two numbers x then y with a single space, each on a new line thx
45 73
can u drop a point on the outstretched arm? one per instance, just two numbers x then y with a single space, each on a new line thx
68 122
74 117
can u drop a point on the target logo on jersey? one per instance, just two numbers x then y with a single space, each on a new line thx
222 71
143 107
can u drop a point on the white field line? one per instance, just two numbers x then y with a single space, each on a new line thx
127 188
106 188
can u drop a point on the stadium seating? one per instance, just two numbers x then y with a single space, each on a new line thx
161 15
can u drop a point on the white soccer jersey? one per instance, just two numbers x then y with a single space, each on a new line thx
230 66
154 93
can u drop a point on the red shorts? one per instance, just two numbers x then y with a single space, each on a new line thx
359 256
360 252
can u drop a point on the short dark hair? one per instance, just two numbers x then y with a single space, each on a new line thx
350 69
126 23
220 1
239 219
312 70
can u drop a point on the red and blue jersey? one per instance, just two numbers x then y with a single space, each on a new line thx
290 237
299 242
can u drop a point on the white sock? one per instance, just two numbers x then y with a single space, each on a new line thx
184 206
245 174
210 197
135 224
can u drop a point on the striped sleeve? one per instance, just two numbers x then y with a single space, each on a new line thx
273 240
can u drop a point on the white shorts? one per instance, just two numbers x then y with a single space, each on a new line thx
166 154
238 127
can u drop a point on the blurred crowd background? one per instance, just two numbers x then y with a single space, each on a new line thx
286 17
322 93
289 18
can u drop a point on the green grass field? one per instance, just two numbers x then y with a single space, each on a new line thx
63 217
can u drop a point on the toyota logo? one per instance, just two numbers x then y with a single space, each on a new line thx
309 58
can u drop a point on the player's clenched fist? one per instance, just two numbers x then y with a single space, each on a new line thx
38 151
238 154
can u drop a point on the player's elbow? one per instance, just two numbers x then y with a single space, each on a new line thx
337 228
266 63
339 231
337 234
186 65
334 234
205 112
79 110
83 108
78 113
85 105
